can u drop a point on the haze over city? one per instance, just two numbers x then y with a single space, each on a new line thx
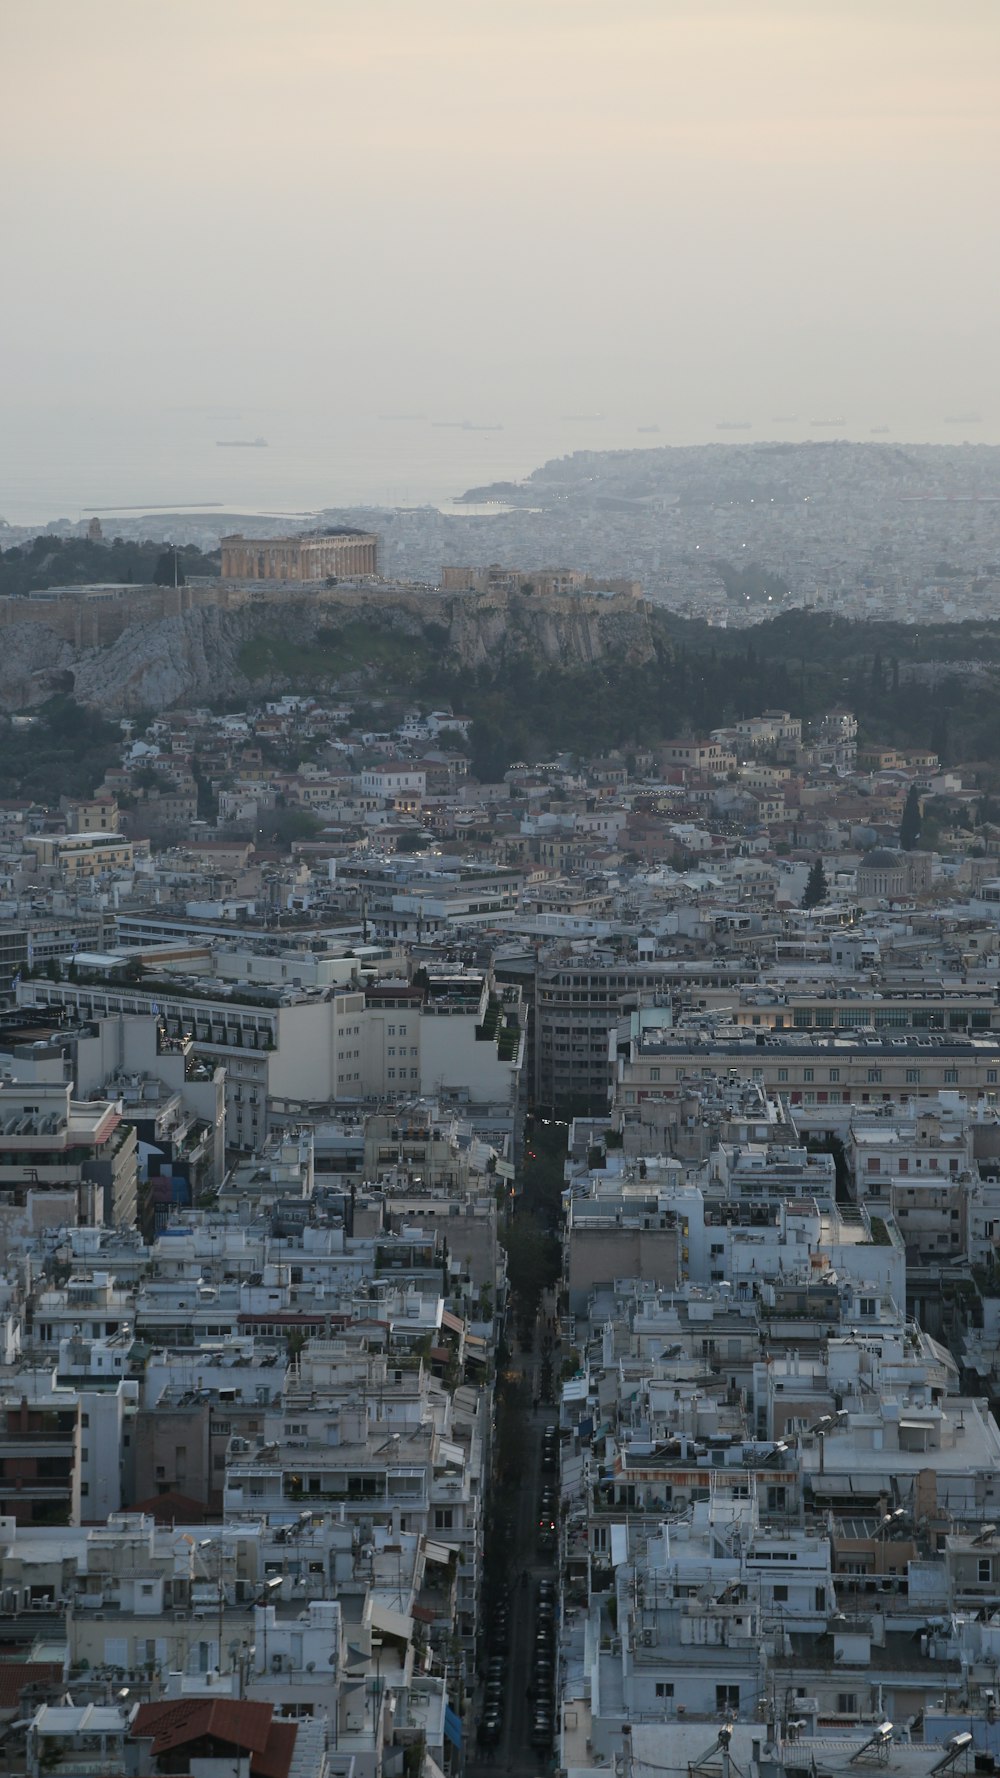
499 889
333 225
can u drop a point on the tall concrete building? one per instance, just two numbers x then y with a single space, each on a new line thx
337 554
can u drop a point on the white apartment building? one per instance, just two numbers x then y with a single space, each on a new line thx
295 1047
394 781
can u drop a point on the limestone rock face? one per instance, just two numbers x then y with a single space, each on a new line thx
35 662
275 643
192 658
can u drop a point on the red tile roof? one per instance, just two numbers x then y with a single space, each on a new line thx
15 1675
173 1508
240 1723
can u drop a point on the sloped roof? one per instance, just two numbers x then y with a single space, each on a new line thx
173 1508
16 1675
249 1726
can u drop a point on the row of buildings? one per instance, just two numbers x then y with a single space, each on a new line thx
261 1110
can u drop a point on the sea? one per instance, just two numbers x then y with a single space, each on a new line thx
71 463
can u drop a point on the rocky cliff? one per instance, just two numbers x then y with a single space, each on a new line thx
277 642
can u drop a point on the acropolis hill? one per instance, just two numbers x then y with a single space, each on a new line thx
130 648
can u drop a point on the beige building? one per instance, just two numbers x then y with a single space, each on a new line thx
84 854
548 582
819 1076
95 814
698 756
886 874
320 555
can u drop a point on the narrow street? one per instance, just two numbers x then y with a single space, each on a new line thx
525 1565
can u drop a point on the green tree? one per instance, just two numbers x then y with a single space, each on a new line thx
909 827
168 570
282 827
816 889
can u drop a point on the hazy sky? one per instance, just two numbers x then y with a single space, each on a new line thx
724 206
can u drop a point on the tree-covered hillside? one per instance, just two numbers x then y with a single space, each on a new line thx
935 688
65 752
78 561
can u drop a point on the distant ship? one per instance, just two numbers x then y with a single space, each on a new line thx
733 425
241 444
878 429
647 429
971 419
838 422
467 426
784 419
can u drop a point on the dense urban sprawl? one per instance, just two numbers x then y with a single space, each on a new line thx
498 1273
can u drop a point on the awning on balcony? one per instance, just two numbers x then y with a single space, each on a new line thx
391 1623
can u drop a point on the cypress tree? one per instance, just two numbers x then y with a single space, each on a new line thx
909 827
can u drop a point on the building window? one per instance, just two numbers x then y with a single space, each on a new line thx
834 1074
847 1704
913 1077
874 1077
664 1688
727 1697
985 1566
951 1077
782 1075
780 1595
442 1518
807 1074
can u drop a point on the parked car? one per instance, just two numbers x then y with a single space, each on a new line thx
488 1733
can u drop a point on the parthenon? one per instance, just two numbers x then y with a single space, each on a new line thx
318 555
